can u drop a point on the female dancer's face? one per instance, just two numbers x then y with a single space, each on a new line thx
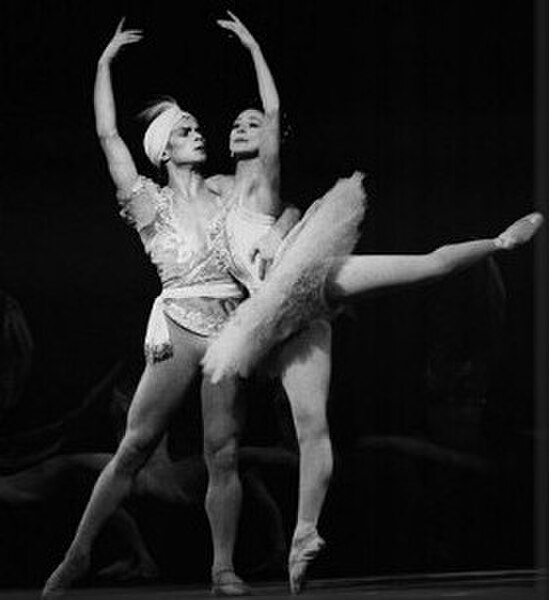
246 132
186 144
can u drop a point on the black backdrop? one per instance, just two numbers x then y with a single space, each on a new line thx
432 99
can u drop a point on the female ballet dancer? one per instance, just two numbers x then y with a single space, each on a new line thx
312 270
198 293
248 244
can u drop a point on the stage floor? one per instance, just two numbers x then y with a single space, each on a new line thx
508 585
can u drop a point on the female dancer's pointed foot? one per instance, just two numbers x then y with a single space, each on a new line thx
304 550
520 231
226 583
71 569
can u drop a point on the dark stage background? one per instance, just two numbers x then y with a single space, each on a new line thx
432 401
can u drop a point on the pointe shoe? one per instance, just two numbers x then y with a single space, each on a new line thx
226 583
520 231
304 550
64 576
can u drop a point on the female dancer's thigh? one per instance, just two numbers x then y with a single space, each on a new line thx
305 367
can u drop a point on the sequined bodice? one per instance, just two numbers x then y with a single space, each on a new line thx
182 254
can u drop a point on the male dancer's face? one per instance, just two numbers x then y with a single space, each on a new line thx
186 144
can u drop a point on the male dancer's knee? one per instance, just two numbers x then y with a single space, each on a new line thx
221 454
133 452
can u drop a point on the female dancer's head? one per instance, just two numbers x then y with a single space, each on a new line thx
173 138
246 134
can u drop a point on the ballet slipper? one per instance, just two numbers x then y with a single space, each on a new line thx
520 231
72 568
304 550
226 583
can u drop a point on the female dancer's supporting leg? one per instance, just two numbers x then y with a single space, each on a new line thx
305 364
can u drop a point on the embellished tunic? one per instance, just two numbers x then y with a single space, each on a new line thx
198 292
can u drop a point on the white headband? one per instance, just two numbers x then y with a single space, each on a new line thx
158 132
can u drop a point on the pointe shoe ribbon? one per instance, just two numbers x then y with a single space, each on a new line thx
304 551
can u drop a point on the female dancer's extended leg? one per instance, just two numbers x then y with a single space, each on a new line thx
358 275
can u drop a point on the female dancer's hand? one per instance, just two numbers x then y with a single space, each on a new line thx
235 25
119 40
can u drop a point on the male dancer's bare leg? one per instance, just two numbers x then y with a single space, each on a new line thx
158 394
222 416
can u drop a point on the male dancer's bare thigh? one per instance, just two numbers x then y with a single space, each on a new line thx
163 384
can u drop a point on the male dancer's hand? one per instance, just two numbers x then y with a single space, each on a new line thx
119 40
264 251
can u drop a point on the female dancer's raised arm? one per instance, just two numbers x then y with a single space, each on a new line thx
255 145
269 142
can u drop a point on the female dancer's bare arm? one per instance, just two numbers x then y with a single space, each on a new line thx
269 151
119 159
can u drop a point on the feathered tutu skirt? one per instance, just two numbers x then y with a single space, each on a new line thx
293 293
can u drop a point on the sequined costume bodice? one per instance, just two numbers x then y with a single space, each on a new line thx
184 255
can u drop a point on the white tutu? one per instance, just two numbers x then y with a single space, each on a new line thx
293 292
